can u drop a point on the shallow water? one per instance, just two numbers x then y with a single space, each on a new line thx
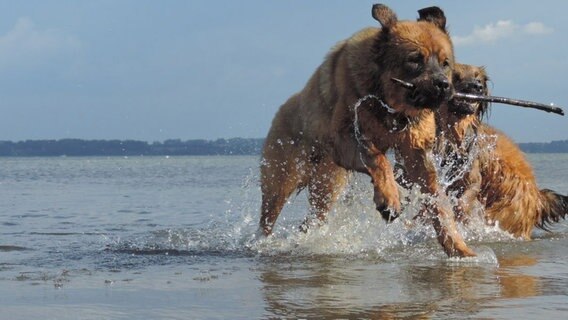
174 238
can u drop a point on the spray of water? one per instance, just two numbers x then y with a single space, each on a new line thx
353 227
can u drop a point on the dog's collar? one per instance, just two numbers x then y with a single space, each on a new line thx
393 120
386 106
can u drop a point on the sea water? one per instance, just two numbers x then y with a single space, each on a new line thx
176 238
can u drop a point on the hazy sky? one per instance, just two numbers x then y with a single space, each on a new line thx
155 70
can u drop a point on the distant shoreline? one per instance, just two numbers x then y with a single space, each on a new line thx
177 147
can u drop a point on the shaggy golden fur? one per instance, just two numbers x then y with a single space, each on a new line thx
350 113
509 190
500 177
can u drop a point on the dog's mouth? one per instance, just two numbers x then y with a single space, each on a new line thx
424 99
462 108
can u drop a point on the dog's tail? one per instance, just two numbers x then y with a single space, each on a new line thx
555 206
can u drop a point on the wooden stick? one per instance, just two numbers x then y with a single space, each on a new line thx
478 98
514 102
403 84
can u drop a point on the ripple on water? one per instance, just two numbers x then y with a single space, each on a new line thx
9 248
10 224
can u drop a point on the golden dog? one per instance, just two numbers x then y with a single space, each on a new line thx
350 113
500 177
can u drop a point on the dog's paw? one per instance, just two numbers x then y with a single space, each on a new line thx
388 214
389 210
304 227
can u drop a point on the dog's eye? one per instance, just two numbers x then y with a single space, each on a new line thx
413 66
446 63
414 61
415 58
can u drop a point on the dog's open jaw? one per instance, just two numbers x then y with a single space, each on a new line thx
465 108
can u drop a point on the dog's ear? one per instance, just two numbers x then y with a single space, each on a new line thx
384 15
484 75
434 15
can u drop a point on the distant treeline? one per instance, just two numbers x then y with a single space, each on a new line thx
560 146
79 147
176 147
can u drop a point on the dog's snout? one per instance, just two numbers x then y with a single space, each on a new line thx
474 86
442 84
431 91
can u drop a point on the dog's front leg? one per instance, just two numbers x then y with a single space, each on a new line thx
471 186
386 195
421 170
365 157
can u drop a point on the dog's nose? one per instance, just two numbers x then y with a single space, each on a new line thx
474 86
442 84
477 86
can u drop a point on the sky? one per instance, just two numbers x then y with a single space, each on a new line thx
157 70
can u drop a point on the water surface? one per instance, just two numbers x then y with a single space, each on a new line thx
174 238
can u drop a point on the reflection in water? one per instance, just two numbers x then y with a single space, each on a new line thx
514 284
327 287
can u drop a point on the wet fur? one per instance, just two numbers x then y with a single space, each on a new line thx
509 190
314 142
500 178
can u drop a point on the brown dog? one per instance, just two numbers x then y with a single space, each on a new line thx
500 177
350 113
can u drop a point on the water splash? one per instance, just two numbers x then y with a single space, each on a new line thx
353 229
